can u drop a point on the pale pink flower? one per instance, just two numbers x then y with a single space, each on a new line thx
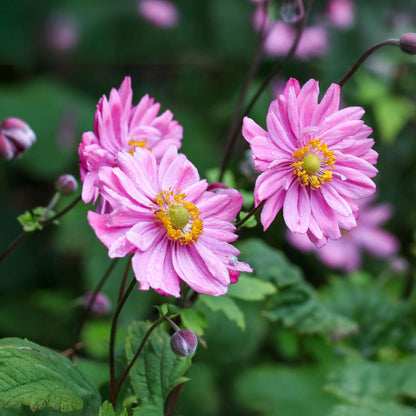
341 13
316 160
176 228
61 33
281 36
16 137
160 13
346 252
119 125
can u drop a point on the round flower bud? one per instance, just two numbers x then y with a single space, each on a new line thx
101 305
408 43
66 185
184 342
15 138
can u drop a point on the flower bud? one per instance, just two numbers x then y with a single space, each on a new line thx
101 305
408 43
15 138
66 185
184 342
292 11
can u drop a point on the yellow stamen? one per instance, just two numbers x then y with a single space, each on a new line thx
136 143
179 217
310 161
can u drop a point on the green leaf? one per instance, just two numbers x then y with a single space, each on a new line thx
296 304
193 320
226 305
28 222
251 288
156 371
275 391
107 410
374 409
39 378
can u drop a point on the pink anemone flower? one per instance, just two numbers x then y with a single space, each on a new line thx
176 229
315 161
346 252
118 125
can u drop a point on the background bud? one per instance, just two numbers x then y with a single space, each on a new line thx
15 138
184 342
408 43
66 185
101 305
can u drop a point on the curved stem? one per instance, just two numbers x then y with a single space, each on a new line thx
365 55
91 302
113 390
21 237
235 131
133 360
235 121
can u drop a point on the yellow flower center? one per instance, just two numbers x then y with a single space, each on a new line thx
310 163
179 217
135 144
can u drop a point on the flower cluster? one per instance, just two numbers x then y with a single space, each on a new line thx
316 161
176 226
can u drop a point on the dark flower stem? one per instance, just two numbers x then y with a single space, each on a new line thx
236 119
252 211
235 128
133 360
22 236
365 55
113 332
91 302
173 398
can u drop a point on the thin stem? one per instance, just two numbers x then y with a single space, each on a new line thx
63 212
113 390
235 121
133 360
21 237
235 132
91 302
171 323
365 55
15 243
50 206
252 211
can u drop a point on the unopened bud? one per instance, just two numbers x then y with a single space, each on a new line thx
184 342
408 43
66 185
101 305
15 138
292 11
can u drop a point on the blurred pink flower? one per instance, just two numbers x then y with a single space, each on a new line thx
120 126
281 36
160 13
315 159
101 305
16 137
346 252
341 13
165 216
61 33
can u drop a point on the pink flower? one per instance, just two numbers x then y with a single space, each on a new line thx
165 216
281 36
341 13
316 160
120 126
345 253
160 13
16 137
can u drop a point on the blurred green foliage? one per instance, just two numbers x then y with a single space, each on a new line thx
313 342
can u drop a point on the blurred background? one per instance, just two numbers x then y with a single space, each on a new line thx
58 58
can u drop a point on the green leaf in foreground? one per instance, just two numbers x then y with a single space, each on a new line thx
226 305
38 377
108 410
251 288
157 370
